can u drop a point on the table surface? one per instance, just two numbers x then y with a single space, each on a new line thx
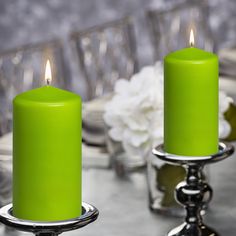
123 204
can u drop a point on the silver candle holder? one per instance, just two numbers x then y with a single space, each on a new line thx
54 228
194 192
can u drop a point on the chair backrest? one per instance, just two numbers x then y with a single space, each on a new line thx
105 53
22 69
170 29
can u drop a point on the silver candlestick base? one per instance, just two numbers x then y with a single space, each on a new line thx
54 228
194 192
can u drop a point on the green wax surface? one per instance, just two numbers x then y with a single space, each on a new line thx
191 102
47 155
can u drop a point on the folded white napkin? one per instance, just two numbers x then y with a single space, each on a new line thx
6 144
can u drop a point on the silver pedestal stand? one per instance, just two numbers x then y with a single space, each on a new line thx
54 228
194 192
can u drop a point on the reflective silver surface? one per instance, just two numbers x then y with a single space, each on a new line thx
225 150
194 192
90 214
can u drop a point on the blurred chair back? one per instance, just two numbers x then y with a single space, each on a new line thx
105 53
22 69
170 29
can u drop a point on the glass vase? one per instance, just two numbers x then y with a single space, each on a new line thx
162 179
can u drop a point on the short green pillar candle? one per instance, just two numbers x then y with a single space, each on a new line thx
47 155
191 102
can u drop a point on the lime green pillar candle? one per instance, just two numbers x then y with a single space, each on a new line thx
47 155
191 102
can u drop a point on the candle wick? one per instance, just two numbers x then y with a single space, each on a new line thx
48 81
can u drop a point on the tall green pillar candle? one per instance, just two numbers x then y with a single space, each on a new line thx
47 155
191 102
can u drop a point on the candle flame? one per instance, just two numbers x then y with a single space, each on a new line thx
191 38
48 73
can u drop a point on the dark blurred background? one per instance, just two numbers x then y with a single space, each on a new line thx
31 21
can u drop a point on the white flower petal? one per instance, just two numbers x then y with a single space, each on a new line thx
224 128
135 138
122 86
136 122
224 102
112 120
116 134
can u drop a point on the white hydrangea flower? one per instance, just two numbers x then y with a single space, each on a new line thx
135 113
224 103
